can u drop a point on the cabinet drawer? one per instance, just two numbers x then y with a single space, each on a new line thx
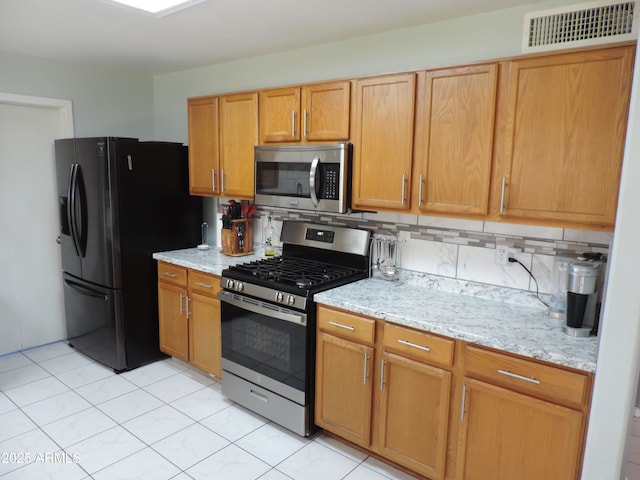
421 346
545 381
204 283
347 325
172 273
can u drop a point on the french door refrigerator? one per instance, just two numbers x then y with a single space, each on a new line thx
119 201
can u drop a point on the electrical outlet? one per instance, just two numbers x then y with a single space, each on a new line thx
502 254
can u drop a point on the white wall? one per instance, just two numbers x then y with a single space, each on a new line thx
105 101
468 39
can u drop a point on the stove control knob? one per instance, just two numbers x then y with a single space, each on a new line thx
239 286
230 284
291 300
279 297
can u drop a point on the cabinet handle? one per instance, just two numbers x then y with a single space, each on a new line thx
366 368
187 303
420 192
464 402
293 123
213 179
384 363
504 184
180 303
414 345
519 377
221 181
304 122
204 285
346 327
404 177
170 275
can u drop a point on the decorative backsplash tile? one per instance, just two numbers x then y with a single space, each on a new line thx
463 249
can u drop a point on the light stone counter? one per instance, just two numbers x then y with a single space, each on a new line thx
505 319
523 329
208 261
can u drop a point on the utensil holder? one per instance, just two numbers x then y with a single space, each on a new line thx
238 240
384 257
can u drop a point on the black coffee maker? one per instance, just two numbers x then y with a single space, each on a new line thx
581 297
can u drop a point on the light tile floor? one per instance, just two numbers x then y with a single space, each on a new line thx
64 416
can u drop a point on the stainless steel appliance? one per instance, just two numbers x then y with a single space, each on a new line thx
119 201
269 318
307 177
581 297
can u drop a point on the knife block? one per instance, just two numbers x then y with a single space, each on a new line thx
238 240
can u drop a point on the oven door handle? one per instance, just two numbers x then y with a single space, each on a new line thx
256 306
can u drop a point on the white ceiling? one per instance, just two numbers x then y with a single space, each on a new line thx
101 33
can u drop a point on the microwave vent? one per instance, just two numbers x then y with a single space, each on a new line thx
579 25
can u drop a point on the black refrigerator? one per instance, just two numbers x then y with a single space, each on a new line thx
119 201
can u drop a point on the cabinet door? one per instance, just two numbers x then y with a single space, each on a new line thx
238 137
383 141
507 435
172 317
280 115
561 136
326 109
414 414
204 333
344 379
203 146
454 139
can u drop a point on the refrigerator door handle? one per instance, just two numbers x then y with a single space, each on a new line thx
85 290
77 211
71 206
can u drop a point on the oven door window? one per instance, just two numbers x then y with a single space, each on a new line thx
269 346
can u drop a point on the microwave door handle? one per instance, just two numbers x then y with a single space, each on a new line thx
313 181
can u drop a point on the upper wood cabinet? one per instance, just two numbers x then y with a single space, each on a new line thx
383 142
203 146
455 110
238 137
560 137
311 113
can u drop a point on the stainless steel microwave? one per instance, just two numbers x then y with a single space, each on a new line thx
305 177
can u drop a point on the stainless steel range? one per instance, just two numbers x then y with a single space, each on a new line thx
269 319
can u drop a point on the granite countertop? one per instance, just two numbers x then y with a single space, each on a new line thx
505 319
208 261
523 328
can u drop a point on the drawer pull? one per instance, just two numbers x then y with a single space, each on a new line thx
340 325
414 345
204 285
259 396
519 377
170 275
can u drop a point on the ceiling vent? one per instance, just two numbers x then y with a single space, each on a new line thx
579 25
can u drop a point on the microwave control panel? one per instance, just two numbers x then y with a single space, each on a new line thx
330 181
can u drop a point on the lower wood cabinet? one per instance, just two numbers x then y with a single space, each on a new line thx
445 409
520 419
189 316
376 388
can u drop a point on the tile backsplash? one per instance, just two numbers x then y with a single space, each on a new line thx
464 249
